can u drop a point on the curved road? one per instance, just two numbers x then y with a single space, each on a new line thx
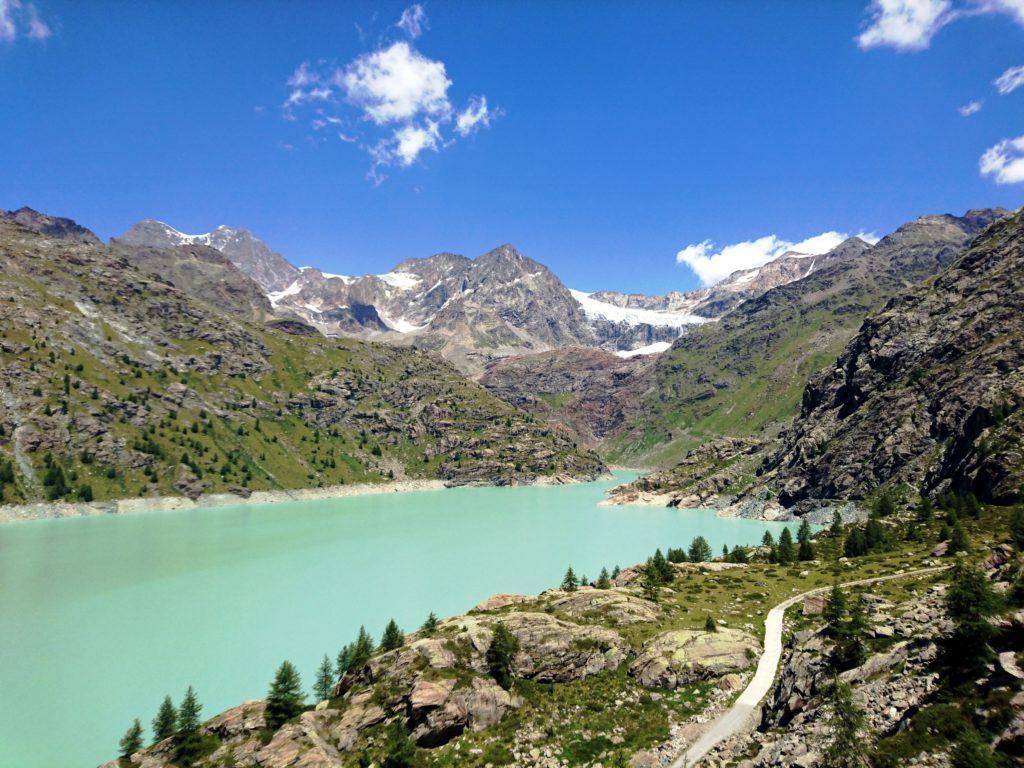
740 716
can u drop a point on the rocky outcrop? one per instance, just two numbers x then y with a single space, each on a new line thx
682 656
614 605
708 471
928 393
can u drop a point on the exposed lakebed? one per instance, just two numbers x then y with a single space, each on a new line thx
102 616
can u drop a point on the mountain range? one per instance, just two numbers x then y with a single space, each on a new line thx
474 311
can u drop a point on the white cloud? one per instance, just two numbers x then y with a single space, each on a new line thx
910 25
413 21
21 19
1010 80
970 108
1004 162
400 99
907 25
475 116
397 83
712 264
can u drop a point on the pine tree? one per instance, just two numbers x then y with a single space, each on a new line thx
285 699
971 506
501 653
855 545
884 504
131 742
187 737
165 724
710 625
700 550
836 529
569 581
835 610
738 555
767 540
429 625
925 510
787 553
324 683
662 568
853 649
603 581
615 572
392 637
958 541
361 650
725 552
970 601
846 722
650 582
874 534
803 535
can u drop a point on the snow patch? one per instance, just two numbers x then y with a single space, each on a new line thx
402 280
634 316
651 349
277 296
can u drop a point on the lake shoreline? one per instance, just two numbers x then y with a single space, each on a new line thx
54 510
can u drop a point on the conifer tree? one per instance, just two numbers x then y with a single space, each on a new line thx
958 541
853 649
429 625
710 625
392 637
970 601
569 581
925 510
361 650
616 571
603 581
835 610
501 653
738 555
855 545
324 683
285 699
187 739
836 529
806 550
846 723
650 582
787 553
131 742
700 550
767 540
165 724
662 567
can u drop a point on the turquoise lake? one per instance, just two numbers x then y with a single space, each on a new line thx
100 617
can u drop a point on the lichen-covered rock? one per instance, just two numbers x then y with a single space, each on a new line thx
680 656
615 605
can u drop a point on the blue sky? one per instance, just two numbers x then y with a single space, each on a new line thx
615 135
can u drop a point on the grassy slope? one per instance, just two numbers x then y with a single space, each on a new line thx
264 409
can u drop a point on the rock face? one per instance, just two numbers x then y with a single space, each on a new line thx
745 373
681 656
928 393
56 227
589 391
135 386
270 270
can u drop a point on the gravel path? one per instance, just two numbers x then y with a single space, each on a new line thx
741 715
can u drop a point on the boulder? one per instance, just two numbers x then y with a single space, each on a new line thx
501 600
678 657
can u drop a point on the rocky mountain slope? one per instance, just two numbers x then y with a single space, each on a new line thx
114 383
928 393
270 270
745 374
